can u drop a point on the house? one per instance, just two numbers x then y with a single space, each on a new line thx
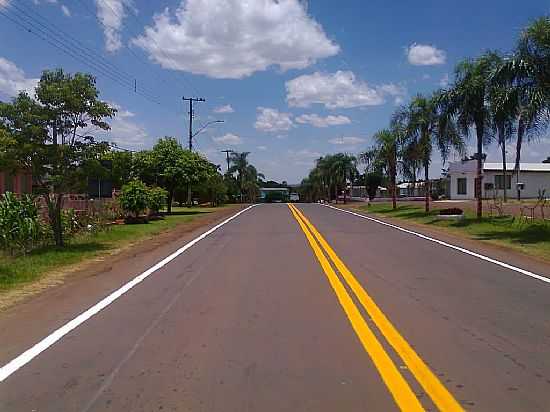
532 176
19 182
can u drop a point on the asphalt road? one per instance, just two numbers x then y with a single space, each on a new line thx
292 310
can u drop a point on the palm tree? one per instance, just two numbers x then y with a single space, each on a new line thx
422 127
342 168
239 164
504 108
384 154
467 102
528 71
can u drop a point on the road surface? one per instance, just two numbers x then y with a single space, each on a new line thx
286 308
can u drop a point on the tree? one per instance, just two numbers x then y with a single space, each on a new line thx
342 168
467 101
384 154
422 126
248 178
528 72
45 136
372 181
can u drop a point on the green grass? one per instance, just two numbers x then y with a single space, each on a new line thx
530 238
15 271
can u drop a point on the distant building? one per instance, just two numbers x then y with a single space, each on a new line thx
19 182
533 176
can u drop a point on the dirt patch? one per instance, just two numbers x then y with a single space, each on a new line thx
98 264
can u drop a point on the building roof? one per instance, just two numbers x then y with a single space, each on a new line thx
274 189
523 167
469 166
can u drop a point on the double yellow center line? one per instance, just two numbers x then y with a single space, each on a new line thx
394 380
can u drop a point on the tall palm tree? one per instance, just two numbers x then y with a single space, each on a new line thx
384 154
342 168
528 71
239 164
467 102
423 129
504 109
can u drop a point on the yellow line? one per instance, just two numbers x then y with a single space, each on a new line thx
442 398
398 387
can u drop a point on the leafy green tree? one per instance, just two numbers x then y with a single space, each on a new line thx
156 199
372 181
45 136
134 198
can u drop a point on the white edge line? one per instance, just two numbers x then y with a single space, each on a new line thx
31 353
440 242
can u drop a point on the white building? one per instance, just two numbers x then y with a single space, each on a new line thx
534 176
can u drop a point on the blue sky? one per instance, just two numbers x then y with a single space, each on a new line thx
292 80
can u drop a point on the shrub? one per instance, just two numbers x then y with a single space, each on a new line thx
157 199
451 211
134 198
20 225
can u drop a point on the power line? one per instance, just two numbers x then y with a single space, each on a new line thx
41 30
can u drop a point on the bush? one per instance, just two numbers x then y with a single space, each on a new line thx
157 199
451 211
134 198
20 225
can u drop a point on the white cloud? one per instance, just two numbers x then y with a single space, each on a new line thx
124 131
272 120
4 3
303 157
348 141
228 138
13 80
339 90
111 13
233 39
318 121
65 10
224 109
444 82
262 148
425 55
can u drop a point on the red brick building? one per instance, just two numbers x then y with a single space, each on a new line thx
19 183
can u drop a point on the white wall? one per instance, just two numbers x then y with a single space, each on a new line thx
533 182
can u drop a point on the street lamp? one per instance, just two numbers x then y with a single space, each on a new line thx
206 125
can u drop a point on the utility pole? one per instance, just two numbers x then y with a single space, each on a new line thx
227 152
191 114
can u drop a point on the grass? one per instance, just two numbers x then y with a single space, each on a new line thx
15 271
530 238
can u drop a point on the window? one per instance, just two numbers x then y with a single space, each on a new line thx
499 182
461 186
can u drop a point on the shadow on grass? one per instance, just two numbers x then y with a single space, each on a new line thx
529 234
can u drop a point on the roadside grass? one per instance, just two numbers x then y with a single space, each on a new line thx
15 271
531 238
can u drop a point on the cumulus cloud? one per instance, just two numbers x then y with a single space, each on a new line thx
65 10
111 14
347 141
125 132
262 148
317 121
339 90
272 120
228 138
13 79
224 109
303 157
425 55
233 39
4 3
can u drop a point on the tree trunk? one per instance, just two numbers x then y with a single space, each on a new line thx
503 148
393 190
169 201
336 193
521 131
55 203
426 187
479 171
